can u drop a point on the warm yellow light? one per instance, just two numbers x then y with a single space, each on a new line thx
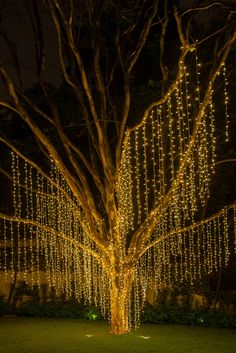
164 175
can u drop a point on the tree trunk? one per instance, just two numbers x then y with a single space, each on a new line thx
120 301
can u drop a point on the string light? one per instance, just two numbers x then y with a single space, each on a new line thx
212 131
5 247
145 168
226 102
137 175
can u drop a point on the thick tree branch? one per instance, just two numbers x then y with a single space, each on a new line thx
143 233
94 20
131 62
103 144
85 189
121 128
52 231
55 155
92 170
71 82
180 231
182 35
163 99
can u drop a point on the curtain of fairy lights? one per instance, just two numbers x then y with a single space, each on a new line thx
181 248
45 242
48 234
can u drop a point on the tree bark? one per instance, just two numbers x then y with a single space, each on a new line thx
119 303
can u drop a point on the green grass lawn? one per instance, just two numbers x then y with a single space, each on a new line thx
34 335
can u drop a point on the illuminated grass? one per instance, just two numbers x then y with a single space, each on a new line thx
27 335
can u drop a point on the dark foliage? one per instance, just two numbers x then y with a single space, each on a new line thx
59 309
187 315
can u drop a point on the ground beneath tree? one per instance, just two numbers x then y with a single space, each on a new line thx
34 335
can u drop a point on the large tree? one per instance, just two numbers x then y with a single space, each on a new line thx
110 201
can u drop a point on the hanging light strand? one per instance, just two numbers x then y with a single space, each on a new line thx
226 103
